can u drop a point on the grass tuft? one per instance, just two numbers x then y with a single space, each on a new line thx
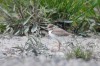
79 53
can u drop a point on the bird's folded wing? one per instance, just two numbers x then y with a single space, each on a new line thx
60 32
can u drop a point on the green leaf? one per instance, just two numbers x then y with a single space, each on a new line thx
27 20
17 32
5 11
26 30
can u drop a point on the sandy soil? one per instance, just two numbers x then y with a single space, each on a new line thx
90 43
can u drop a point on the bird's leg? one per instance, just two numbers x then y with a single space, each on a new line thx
59 44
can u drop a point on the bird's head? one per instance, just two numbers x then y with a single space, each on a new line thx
50 26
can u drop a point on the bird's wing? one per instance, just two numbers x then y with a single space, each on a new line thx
60 32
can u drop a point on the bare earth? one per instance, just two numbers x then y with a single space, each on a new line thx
8 56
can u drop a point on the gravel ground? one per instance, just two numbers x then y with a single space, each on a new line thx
8 56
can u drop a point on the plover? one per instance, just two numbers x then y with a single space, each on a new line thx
56 32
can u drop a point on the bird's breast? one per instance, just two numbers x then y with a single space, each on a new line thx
51 34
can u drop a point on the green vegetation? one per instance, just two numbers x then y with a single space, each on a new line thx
20 15
79 53
2 27
81 12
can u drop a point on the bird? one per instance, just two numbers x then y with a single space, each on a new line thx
55 32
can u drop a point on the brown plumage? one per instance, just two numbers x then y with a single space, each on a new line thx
60 32
57 31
